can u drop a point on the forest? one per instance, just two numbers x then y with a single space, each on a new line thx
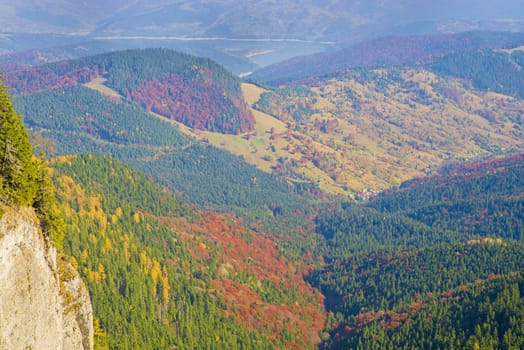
175 276
24 179
487 70
435 263
195 91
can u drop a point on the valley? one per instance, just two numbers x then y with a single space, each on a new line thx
329 202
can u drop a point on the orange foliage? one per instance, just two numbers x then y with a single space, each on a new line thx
239 249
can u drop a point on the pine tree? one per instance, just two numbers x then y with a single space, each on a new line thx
18 168
47 207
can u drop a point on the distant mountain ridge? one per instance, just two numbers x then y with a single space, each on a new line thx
243 35
307 20
388 51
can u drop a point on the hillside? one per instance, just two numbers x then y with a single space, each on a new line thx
195 91
454 240
183 277
97 118
369 129
79 120
486 70
384 52
369 197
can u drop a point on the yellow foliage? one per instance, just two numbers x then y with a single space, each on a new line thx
84 255
126 239
143 261
136 217
165 285
101 272
119 212
98 330
63 159
108 246
96 276
69 191
74 262
96 212
155 271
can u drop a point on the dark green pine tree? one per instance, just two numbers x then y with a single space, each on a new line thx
18 168
47 207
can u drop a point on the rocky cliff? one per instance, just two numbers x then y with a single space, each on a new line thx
43 302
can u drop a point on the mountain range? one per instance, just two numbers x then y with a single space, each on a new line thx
366 197
243 35
306 20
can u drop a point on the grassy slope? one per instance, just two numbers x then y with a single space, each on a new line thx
394 135
386 126
97 84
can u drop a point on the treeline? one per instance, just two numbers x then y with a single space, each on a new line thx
195 91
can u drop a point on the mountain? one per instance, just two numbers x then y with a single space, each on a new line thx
187 243
46 304
454 239
152 264
344 133
196 92
376 204
387 51
32 55
103 116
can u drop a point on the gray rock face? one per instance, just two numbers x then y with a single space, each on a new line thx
43 302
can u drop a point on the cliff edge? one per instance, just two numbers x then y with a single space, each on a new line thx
43 302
